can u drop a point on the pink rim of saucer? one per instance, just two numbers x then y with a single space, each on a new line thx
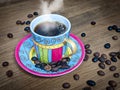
49 75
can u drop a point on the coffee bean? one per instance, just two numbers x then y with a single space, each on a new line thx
118 56
115 27
55 69
9 73
101 73
87 88
108 62
27 29
101 59
93 23
114 59
110 28
29 15
28 22
95 59
87 46
109 88
34 58
37 62
112 68
65 67
107 45
83 34
96 54
4 64
37 65
43 65
35 13
66 85
86 57
76 77
104 56
67 58
102 65
112 83
22 22
88 51
115 37
118 30
18 22
116 75
10 35
47 67
112 54
91 83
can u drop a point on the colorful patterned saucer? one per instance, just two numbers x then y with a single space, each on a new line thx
23 54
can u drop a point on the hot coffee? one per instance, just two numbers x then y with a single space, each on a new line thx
50 28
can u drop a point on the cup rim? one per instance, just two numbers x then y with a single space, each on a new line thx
68 29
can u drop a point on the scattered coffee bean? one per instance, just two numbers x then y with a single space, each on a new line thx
101 73
76 77
112 68
102 65
114 59
86 57
28 22
112 83
91 83
95 59
4 64
29 15
87 46
112 54
93 23
101 59
107 45
47 67
83 34
116 75
34 58
27 29
115 37
110 88
18 22
66 59
110 28
108 62
55 69
87 88
118 56
35 13
10 35
96 54
104 56
114 27
22 22
66 85
9 73
88 51
118 30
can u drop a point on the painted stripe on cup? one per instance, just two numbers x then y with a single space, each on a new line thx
41 54
37 50
45 55
50 55
56 54
64 50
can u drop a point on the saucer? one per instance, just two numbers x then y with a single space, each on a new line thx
23 55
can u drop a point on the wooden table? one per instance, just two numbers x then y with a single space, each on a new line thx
80 13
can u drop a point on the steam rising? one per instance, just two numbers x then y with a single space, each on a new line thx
48 8
54 6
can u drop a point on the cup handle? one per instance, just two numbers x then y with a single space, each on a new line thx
73 47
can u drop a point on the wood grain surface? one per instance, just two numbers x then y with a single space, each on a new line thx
80 13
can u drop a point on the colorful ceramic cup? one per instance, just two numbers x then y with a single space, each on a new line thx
52 48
